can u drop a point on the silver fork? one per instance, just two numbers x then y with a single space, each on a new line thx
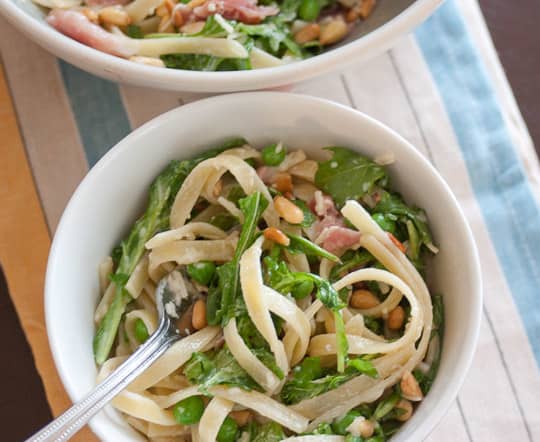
66 425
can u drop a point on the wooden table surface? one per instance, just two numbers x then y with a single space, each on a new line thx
516 34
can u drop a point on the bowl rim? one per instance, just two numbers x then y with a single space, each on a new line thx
452 386
122 70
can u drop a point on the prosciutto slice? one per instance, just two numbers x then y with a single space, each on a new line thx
75 25
330 230
245 11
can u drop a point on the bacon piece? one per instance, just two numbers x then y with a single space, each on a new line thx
245 11
336 239
75 25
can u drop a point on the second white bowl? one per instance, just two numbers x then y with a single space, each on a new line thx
113 193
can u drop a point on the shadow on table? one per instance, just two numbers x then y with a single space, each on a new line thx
23 405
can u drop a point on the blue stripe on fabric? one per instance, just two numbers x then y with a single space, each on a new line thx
500 185
98 110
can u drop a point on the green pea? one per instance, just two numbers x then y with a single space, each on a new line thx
141 332
202 271
189 410
384 223
228 430
340 425
309 10
302 290
274 154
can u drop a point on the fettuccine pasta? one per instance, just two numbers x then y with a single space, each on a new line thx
311 319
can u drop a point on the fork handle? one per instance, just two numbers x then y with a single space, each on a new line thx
63 427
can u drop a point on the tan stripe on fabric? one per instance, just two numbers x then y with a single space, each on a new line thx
370 88
48 128
143 104
24 245
511 375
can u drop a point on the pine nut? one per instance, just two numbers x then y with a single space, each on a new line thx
333 31
184 323
162 11
166 24
363 299
241 416
395 318
91 15
309 32
407 408
192 28
289 211
283 182
198 320
276 235
366 8
170 4
178 18
149 61
194 3
409 388
366 428
113 15
352 15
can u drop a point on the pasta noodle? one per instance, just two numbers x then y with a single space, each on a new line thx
263 362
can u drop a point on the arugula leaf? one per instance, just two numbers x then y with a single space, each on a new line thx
156 218
363 366
221 299
213 28
323 428
225 221
386 405
217 368
299 244
203 62
134 31
348 175
280 278
310 380
412 220
273 35
235 194
309 216
269 432
425 380
351 260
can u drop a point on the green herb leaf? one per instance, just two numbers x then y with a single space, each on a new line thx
134 31
351 260
386 405
411 220
222 298
309 216
217 368
348 175
299 244
203 62
156 218
269 432
363 366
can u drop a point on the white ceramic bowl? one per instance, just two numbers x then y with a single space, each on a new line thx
391 19
112 195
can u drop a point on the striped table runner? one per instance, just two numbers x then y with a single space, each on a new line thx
442 88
